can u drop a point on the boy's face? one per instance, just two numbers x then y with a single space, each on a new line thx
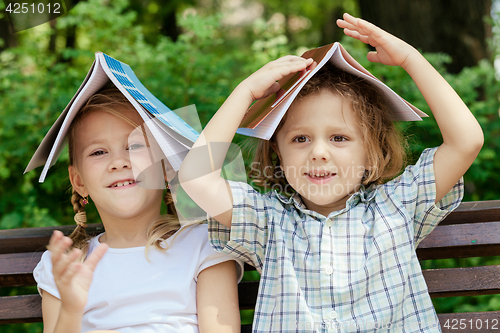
321 151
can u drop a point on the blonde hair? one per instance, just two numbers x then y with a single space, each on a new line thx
110 99
384 146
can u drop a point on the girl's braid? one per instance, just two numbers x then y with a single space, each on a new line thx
169 201
79 235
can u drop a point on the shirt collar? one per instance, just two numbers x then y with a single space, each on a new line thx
364 195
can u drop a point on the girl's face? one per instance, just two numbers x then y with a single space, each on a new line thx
321 151
108 152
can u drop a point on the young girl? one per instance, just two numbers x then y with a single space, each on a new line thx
339 254
146 272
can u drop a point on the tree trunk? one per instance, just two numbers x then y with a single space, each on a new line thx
457 28
6 34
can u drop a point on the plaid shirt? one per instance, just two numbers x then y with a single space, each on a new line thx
355 270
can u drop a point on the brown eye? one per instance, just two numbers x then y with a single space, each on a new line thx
300 139
97 153
339 138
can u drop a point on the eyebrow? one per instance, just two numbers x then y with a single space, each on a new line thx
90 143
331 128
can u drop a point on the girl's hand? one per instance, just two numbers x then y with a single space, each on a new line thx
390 49
71 277
263 83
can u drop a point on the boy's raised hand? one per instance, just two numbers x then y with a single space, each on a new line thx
72 278
263 83
390 49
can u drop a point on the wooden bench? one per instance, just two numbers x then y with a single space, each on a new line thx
472 230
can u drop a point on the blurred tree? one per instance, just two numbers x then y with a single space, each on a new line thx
456 28
307 22
7 37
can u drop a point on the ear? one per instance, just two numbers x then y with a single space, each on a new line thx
77 181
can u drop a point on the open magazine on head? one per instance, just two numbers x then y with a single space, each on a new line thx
174 136
264 116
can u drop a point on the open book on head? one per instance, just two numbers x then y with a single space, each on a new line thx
264 116
174 136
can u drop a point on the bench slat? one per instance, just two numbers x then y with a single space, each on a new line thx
474 211
447 282
16 269
469 281
20 309
27 309
461 241
36 239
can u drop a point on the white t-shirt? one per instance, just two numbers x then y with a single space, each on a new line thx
131 294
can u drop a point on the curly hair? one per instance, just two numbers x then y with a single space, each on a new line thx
110 99
384 146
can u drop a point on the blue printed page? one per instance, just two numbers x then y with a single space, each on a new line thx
124 74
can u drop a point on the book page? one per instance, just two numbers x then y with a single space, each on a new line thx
267 123
261 109
174 124
54 143
125 80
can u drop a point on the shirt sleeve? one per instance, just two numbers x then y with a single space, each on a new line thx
209 257
248 235
415 189
43 276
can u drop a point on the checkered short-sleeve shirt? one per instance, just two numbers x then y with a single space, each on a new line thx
354 270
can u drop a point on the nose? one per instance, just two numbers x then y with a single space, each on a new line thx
119 160
320 151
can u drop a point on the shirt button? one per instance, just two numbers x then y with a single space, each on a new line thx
329 270
333 314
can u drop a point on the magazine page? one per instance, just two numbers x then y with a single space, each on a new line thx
289 84
127 78
171 139
265 115
53 143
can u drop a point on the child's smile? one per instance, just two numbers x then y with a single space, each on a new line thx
123 183
321 151
320 177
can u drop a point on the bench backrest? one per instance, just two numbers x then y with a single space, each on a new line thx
472 230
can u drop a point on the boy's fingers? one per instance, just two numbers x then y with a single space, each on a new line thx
290 59
371 29
361 26
271 90
96 256
373 56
